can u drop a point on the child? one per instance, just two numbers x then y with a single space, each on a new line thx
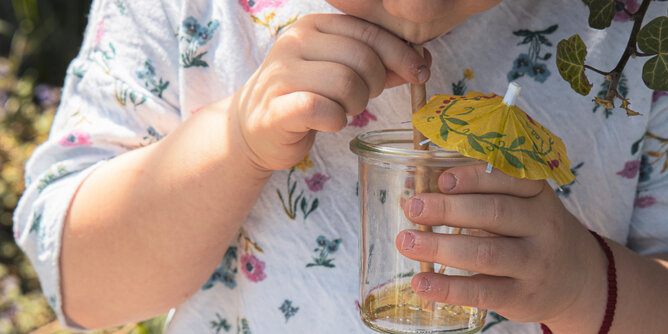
183 169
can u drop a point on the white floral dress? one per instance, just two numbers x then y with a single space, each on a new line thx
145 66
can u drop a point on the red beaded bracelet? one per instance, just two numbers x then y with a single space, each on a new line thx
612 289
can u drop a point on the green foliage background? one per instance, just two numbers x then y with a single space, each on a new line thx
38 38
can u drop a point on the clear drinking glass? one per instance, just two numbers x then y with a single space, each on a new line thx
388 170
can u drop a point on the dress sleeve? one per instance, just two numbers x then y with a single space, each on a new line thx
649 225
120 93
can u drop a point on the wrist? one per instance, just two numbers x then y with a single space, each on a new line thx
234 150
587 312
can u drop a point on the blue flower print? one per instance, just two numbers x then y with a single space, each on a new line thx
540 73
646 169
196 35
148 75
324 249
226 271
523 63
288 310
204 34
190 25
530 63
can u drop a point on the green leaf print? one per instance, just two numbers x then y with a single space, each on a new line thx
519 141
219 324
512 160
444 131
475 145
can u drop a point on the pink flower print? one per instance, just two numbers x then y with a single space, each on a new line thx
630 170
553 164
252 268
644 201
316 182
658 94
362 119
631 6
76 138
99 33
254 6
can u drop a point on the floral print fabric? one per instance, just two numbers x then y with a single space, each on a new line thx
146 66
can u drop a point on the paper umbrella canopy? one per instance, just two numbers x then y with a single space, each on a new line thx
491 128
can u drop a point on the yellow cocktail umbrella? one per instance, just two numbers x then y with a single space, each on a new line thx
491 128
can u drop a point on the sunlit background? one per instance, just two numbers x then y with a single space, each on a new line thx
38 38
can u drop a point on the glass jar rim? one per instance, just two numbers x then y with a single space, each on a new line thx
383 145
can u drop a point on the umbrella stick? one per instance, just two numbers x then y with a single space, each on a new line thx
418 100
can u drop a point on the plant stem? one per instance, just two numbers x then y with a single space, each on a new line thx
616 74
596 70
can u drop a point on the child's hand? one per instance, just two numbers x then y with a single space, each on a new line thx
324 68
542 265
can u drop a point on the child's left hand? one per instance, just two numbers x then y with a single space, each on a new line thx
541 265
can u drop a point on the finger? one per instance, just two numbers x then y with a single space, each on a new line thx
474 179
496 256
487 292
500 214
394 79
308 111
335 81
395 54
350 52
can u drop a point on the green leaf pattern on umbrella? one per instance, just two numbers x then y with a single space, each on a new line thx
483 142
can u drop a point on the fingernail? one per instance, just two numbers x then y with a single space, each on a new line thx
415 210
422 74
423 285
448 181
408 241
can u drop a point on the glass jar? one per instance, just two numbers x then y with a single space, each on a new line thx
389 170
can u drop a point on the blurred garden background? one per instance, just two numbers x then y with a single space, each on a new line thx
38 39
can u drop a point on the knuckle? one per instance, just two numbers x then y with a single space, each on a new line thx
481 295
435 250
309 102
485 255
369 33
498 212
347 82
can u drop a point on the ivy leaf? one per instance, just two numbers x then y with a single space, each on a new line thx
607 104
653 40
629 112
518 142
601 13
513 160
475 145
571 55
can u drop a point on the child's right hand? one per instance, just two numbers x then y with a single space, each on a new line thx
324 68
